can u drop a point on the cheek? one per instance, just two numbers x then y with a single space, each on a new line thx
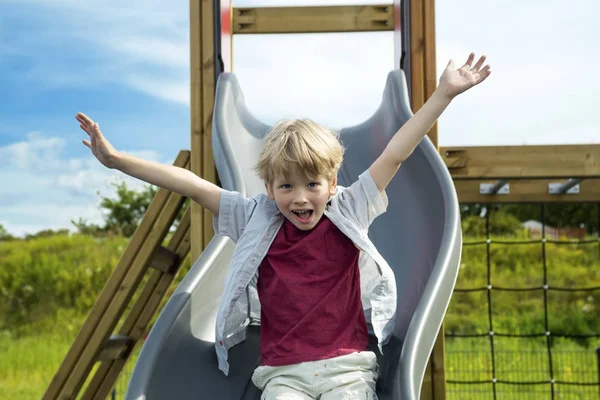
282 199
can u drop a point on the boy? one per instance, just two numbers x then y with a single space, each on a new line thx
303 248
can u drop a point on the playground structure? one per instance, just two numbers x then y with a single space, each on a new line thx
480 175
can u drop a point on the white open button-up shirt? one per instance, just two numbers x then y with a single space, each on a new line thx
253 223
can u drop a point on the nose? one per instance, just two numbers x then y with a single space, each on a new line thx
300 197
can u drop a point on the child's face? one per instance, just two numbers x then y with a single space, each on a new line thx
301 200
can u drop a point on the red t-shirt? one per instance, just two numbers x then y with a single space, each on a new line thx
309 290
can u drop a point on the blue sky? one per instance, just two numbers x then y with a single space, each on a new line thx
126 64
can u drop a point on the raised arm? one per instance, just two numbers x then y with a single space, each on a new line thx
452 83
170 177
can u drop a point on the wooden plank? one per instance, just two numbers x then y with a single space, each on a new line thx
207 106
121 298
438 366
429 62
316 19
417 55
113 284
163 259
528 191
520 162
427 386
136 323
116 347
196 142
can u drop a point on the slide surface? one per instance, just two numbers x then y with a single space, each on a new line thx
419 236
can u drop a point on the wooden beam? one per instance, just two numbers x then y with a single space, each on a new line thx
523 162
429 63
142 312
164 259
209 172
527 191
202 78
317 19
110 304
116 347
197 219
417 55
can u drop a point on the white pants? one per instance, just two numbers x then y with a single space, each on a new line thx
349 377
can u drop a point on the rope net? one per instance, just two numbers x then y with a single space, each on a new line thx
526 363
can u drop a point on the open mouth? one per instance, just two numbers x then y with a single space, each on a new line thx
303 216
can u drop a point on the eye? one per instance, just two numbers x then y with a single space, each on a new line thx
285 186
313 184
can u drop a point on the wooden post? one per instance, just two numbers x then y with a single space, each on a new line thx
202 80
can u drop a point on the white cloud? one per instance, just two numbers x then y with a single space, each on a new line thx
46 188
177 91
540 91
143 45
337 79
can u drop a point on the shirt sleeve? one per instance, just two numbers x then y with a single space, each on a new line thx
362 202
235 211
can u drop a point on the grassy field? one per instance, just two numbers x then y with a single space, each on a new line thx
28 364
61 276
524 361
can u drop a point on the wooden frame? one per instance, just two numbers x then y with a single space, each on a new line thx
94 342
523 162
524 172
202 79
318 19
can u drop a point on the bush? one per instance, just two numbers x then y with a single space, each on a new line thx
40 276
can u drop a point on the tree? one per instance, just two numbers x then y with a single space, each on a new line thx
47 233
557 215
126 211
122 213
4 235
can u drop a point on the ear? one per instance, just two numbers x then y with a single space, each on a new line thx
333 186
269 188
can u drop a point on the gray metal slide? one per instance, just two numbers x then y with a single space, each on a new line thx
419 236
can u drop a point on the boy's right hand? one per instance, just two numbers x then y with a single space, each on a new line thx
101 148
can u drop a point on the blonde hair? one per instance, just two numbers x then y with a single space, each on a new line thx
316 151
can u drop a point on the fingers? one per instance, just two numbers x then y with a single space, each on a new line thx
87 143
83 119
479 63
85 122
450 64
483 74
469 61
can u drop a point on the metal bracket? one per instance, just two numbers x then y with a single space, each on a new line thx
500 187
569 187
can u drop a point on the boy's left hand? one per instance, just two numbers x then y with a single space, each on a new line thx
455 81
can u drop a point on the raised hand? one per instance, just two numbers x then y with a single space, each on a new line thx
101 148
455 81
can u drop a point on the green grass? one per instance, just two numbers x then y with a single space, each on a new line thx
29 363
47 284
521 360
